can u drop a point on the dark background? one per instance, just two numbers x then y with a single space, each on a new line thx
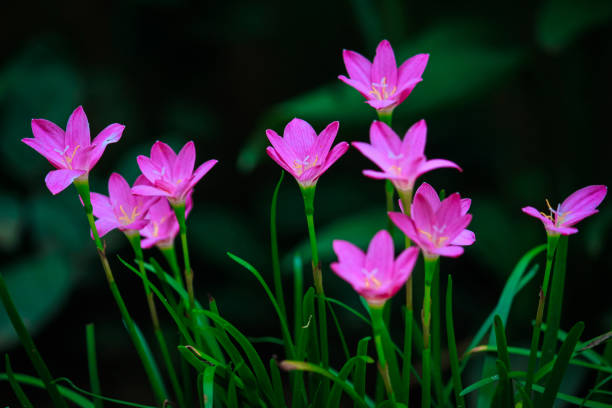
516 93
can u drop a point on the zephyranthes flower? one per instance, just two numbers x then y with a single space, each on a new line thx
171 175
72 153
381 82
121 209
375 275
163 226
401 161
437 227
304 154
581 204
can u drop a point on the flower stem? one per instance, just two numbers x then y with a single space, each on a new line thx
278 283
390 196
385 116
179 210
158 388
406 198
134 238
535 338
92 363
170 255
378 327
430 270
28 344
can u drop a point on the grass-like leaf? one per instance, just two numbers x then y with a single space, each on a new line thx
452 346
19 393
345 371
92 363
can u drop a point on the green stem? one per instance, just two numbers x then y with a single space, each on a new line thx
385 116
278 283
158 389
378 327
134 238
179 210
94 379
170 255
452 346
430 270
406 198
390 197
435 335
535 338
28 344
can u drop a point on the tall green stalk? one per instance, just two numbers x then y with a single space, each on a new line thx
430 270
406 198
28 344
179 210
278 282
82 187
134 238
535 338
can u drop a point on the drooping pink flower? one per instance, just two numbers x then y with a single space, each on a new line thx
382 84
579 205
401 161
375 275
120 209
163 225
437 227
72 152
304 154
171 175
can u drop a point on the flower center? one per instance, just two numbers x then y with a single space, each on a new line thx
68 157
436 237
556 216
396 169
370 279
379 90
125 219
300 166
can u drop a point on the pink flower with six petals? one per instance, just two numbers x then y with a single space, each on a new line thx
401 161
376 275
579 205
437 227
121 209
171 175
304 154
72 152
163 225
381 82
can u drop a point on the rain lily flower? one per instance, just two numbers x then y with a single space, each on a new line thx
302 153
121 209
375 275
171 175
381 82
581 204
163 226
72 152
437 227
401 161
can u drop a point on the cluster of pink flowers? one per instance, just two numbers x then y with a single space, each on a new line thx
167 178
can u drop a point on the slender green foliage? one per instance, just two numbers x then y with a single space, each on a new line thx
19 393
92 363
452 346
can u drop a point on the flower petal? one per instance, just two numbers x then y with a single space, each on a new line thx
105 225
357 66
164 157
363 89
283 150
465 205
119 192
380 254
422 215
183 166
450 251
110 134
299 137
323 142
51 155
384 65
149 168
405 224
58 180
337 152
145 190
102 207
197 176
535 213
412 68
48 134
77 129
379 157
274 156
433 164
385 104
430 195
413 144
349 254
585 199
465 237
384 138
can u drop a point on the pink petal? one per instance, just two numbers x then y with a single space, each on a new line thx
105 225
406 260
149 169
413 144
136 225
412 68
405 224
406 90
465 237
465 205
119 192
110 134
163 156
357 66
380 254
430 195
585 199
299 137
149 191
561 230
349 254
52 156
283 151
535 213
384 65
363 88
385 104
572 218
77 129
450 251
102 207
321 146
48 134
422 214
58 180
147 243
379 157
198 174
384 138
83 157
378 175
433 164
274 155
183 167
334 155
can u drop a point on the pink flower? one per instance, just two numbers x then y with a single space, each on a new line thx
72 153
581 204
171 175
376 275
304 154
401 161
381 82
437 227
121 209
163 225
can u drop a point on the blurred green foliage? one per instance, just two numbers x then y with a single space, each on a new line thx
516 93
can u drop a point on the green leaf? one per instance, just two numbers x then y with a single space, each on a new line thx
21 396
116 401
573 400
452 346
92 363
561 22
359 374
561 363
208 381
489 380
505 390
277 383
65 392
336 391
39 286
151 358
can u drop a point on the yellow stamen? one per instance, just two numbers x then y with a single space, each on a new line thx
301 166
396 169
376 282
125 219
68 159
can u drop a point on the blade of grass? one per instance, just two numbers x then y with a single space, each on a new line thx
359 374
114 400
92 363
278 283
21 396
208 381
452 346
573 400
506 391
347 354
277 384
70 395
345 371
436 336
595 389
